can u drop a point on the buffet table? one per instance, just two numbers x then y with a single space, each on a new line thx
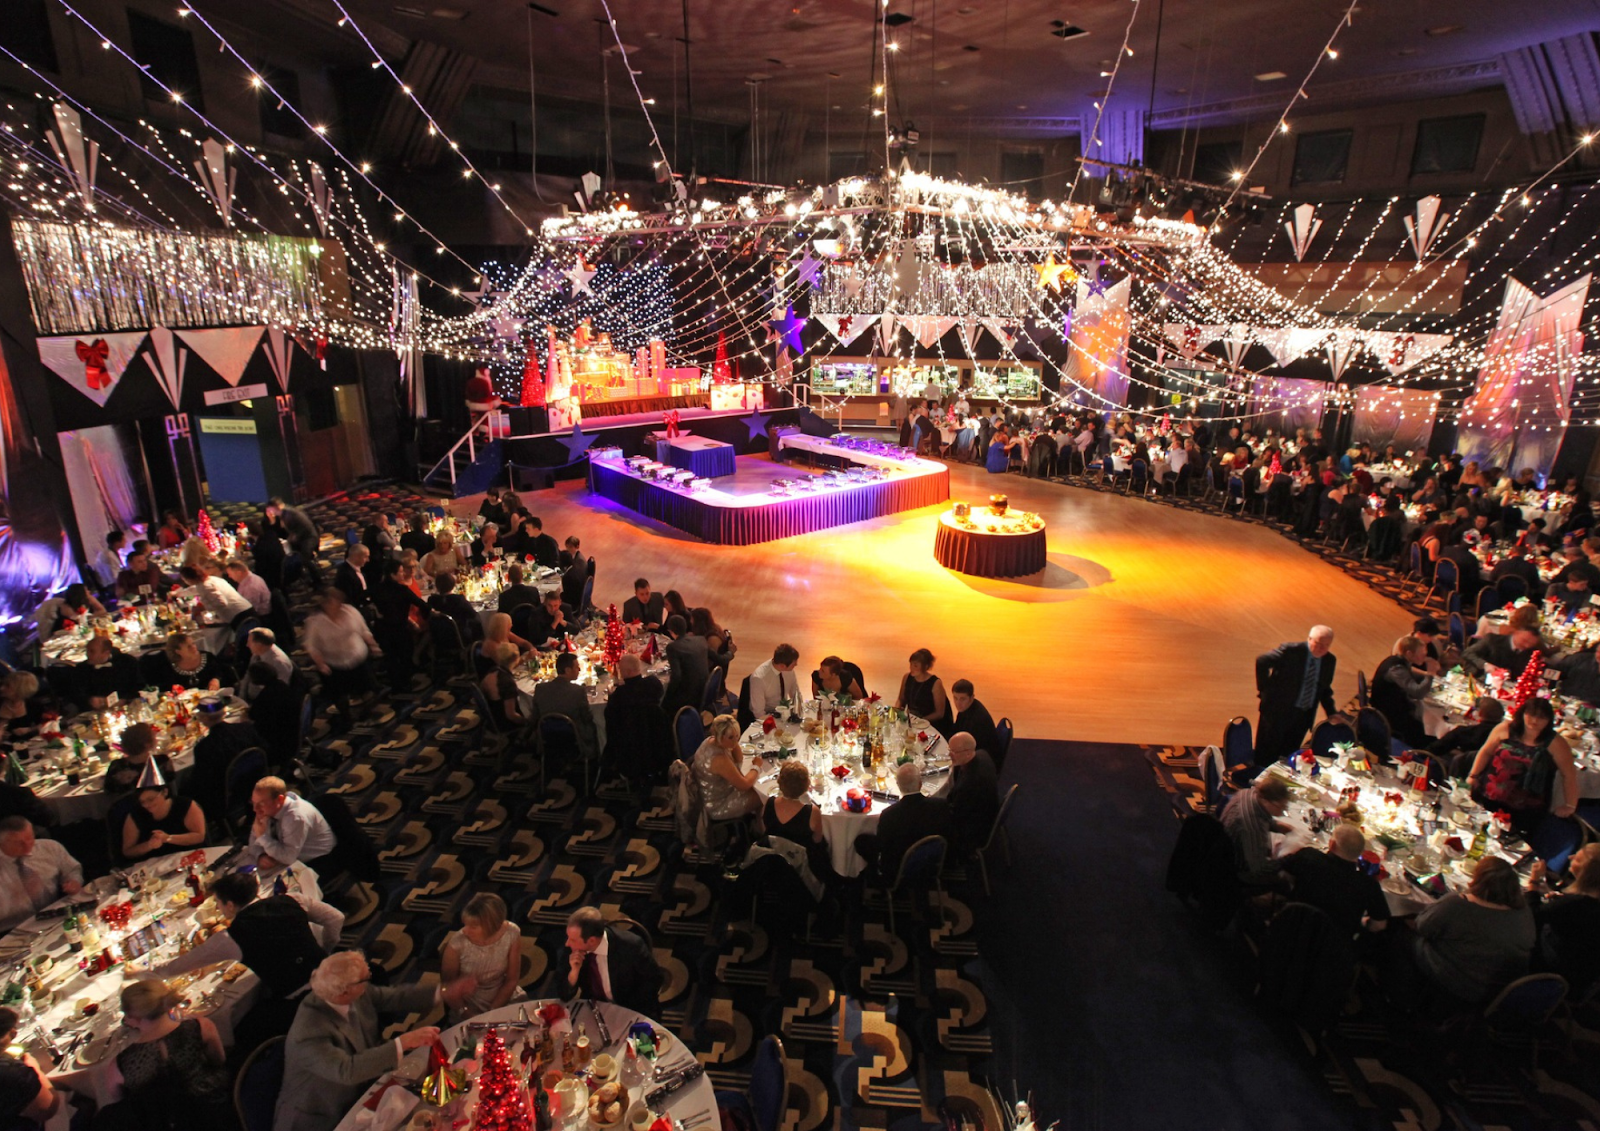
874 486
824 752
393 1101
988 545
709 459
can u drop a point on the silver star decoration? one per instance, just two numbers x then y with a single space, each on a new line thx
580 276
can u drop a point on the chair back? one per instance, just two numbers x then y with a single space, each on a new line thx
353 850
1528 1002
1452 603
1238 742
446 637
521 623
557 736
256 1088
1004 731
1306 966
114 822
688 732
1445 574
1236 487
485 709
588 594
306 715
244 769
352 536
922 863
1326 734
1212 774
1202 868
1512 588
1000 817
1372 731
1138 472
1458 630
281 623
1489 599
711 698
1362 692
769 1084
1211 479
241 632
1415 567
745 715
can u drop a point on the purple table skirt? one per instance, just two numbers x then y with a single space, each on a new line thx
707 463
989 555
764 522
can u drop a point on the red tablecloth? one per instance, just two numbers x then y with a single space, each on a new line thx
989 555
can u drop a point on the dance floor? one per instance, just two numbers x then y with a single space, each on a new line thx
1143 628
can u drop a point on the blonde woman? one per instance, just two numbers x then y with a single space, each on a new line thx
487 948
173 1071
445 557
728 788
496 632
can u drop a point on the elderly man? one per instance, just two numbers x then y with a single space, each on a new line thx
33 874
1291 681
262 644
335 1046
974 794
1251 817
607 964
1335 882
105 671
904 823
563 696
637 740
774 680
351 576
1399 685
287 827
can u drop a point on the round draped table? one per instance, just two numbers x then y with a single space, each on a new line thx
978 552
693 1106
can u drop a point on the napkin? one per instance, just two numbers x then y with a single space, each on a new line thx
393 1107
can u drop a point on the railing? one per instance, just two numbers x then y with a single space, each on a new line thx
470 439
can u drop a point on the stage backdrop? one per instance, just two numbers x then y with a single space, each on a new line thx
1517 417
1287 403
103 490
1098 359
1402 417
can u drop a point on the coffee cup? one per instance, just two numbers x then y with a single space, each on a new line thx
639 1117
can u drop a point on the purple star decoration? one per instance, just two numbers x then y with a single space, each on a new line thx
787 330
1066 325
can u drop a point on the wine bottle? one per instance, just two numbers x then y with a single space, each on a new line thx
69 927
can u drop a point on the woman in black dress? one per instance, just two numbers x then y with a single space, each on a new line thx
173 1071
188 667
790 814
837 677
161 823
922 692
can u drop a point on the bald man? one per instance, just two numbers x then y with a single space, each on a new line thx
1336 882
1291 681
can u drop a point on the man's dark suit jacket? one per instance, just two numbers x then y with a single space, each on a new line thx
906 822
977 722
1279 674
1495 649
121 674
974 801
460 610
513 595
635 978
637 738
208 778
544 550
689 665
348 581
652 611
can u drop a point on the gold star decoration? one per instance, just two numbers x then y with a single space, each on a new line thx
1053 274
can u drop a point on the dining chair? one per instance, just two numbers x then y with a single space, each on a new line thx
1446 579
556 736
1362 694
1489 599
765 1100
1004 731
256 1088
688 732
1519 1013
997 831
1512 588
920 868
1327 734
1372 731
1238 743
1458 630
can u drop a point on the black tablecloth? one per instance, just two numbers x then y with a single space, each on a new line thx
989 555
764 522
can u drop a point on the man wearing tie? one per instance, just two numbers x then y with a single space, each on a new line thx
33 873
607 964
1291 681
774 680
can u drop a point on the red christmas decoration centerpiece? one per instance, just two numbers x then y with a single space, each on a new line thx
611 648
208 533
1528 682
502 1099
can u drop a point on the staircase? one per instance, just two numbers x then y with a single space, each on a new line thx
470 467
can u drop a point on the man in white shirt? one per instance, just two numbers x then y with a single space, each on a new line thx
774 680
287 828
251 587
33 873
108 563
263 645
222 601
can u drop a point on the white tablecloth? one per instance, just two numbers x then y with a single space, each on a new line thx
692 1103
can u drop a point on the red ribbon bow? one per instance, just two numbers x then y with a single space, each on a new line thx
94 357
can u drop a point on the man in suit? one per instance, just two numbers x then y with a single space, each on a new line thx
969 714
1501 650
974 794
563 696
335 1046
446 600
105 670
1516 564
904 823
644 606
543 547
549 622
417 538
574 572
516 593
608 964
1335 882
637 742
220 742
351 577
688 665
1291 680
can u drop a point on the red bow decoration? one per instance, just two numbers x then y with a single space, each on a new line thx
94 357
671 420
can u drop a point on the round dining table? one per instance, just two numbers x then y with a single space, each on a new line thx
597 684
840 824
393 1101
970 547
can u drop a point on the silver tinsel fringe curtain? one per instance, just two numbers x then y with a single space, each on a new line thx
84 279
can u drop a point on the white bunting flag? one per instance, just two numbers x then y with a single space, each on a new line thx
93 363
228 351
167 361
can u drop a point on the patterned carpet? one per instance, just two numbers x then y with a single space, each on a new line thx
1398 1072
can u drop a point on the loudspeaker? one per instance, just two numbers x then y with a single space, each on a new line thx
531 421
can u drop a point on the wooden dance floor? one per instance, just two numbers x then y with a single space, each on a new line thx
1144 627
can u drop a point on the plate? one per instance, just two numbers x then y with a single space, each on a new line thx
93 1052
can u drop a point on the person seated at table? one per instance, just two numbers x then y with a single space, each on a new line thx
922 692
287 828
444 557
197 555
914 816
173 1071
540 545
790 814
1469 945
141 574
549 623
108 562
181 663
261 647
1459 746
1516 563
1399 684
727 789
492 509
20 705
487 949
1509 651
487 547
219 743
974 794
446 600
161 823
27 1097
1517 767
173 532
1569 923
380 536
637 740
335 1046
1580 674
499 686
645 607
835 676
417 538
226 604
672 605
774 681
969 714
72 605
563 696
1469 571
719 641
34 874
251 587
607 963
1335 882
1436 648
1250 818
517 592
138 747
497 631
688 666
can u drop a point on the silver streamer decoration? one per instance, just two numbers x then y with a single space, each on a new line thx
84 279
79 156
997 290
217 178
